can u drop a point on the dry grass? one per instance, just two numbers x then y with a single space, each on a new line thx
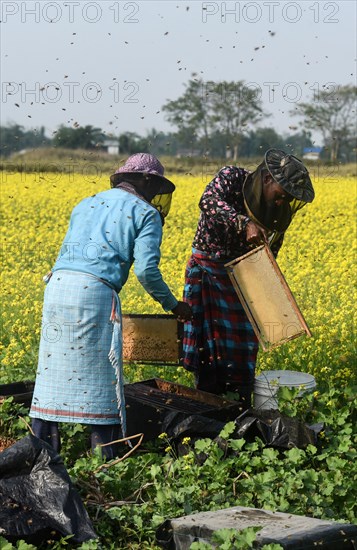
5 442
54 159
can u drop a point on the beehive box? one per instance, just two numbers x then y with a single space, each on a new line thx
152 339
20 391
148 403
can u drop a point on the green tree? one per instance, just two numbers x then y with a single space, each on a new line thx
15 138
130 143
295 143
161 143
190 113
233 107
263 139
332 112
211 110
10 139
84 137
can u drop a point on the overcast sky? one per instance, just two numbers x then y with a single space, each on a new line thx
114 64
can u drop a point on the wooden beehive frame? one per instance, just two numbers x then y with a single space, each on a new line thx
266 298
153 339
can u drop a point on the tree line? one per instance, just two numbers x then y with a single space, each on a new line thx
219 119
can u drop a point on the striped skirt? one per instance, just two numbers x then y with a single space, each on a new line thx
79 376
219 345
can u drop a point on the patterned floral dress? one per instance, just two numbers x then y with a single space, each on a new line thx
219 345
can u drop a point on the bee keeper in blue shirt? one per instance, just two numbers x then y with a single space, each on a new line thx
80 376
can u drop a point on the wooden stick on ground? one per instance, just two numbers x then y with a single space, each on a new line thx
113 462
27 425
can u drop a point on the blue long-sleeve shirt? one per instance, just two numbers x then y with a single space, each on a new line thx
110 231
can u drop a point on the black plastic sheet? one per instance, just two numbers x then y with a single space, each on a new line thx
37 498
273 428
180 425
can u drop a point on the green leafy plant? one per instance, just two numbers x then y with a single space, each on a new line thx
20 545
232 539
129 500
14 419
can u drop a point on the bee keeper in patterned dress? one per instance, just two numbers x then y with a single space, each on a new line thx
239 211
79 377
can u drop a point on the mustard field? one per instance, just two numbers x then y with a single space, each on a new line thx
317 258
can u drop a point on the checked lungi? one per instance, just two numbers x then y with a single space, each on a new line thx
219 345
79 376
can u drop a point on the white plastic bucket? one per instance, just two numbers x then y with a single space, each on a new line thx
267 384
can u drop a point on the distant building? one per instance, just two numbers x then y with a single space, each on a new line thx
311 153
111 146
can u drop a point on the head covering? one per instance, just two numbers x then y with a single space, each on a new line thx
290 173
145 165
